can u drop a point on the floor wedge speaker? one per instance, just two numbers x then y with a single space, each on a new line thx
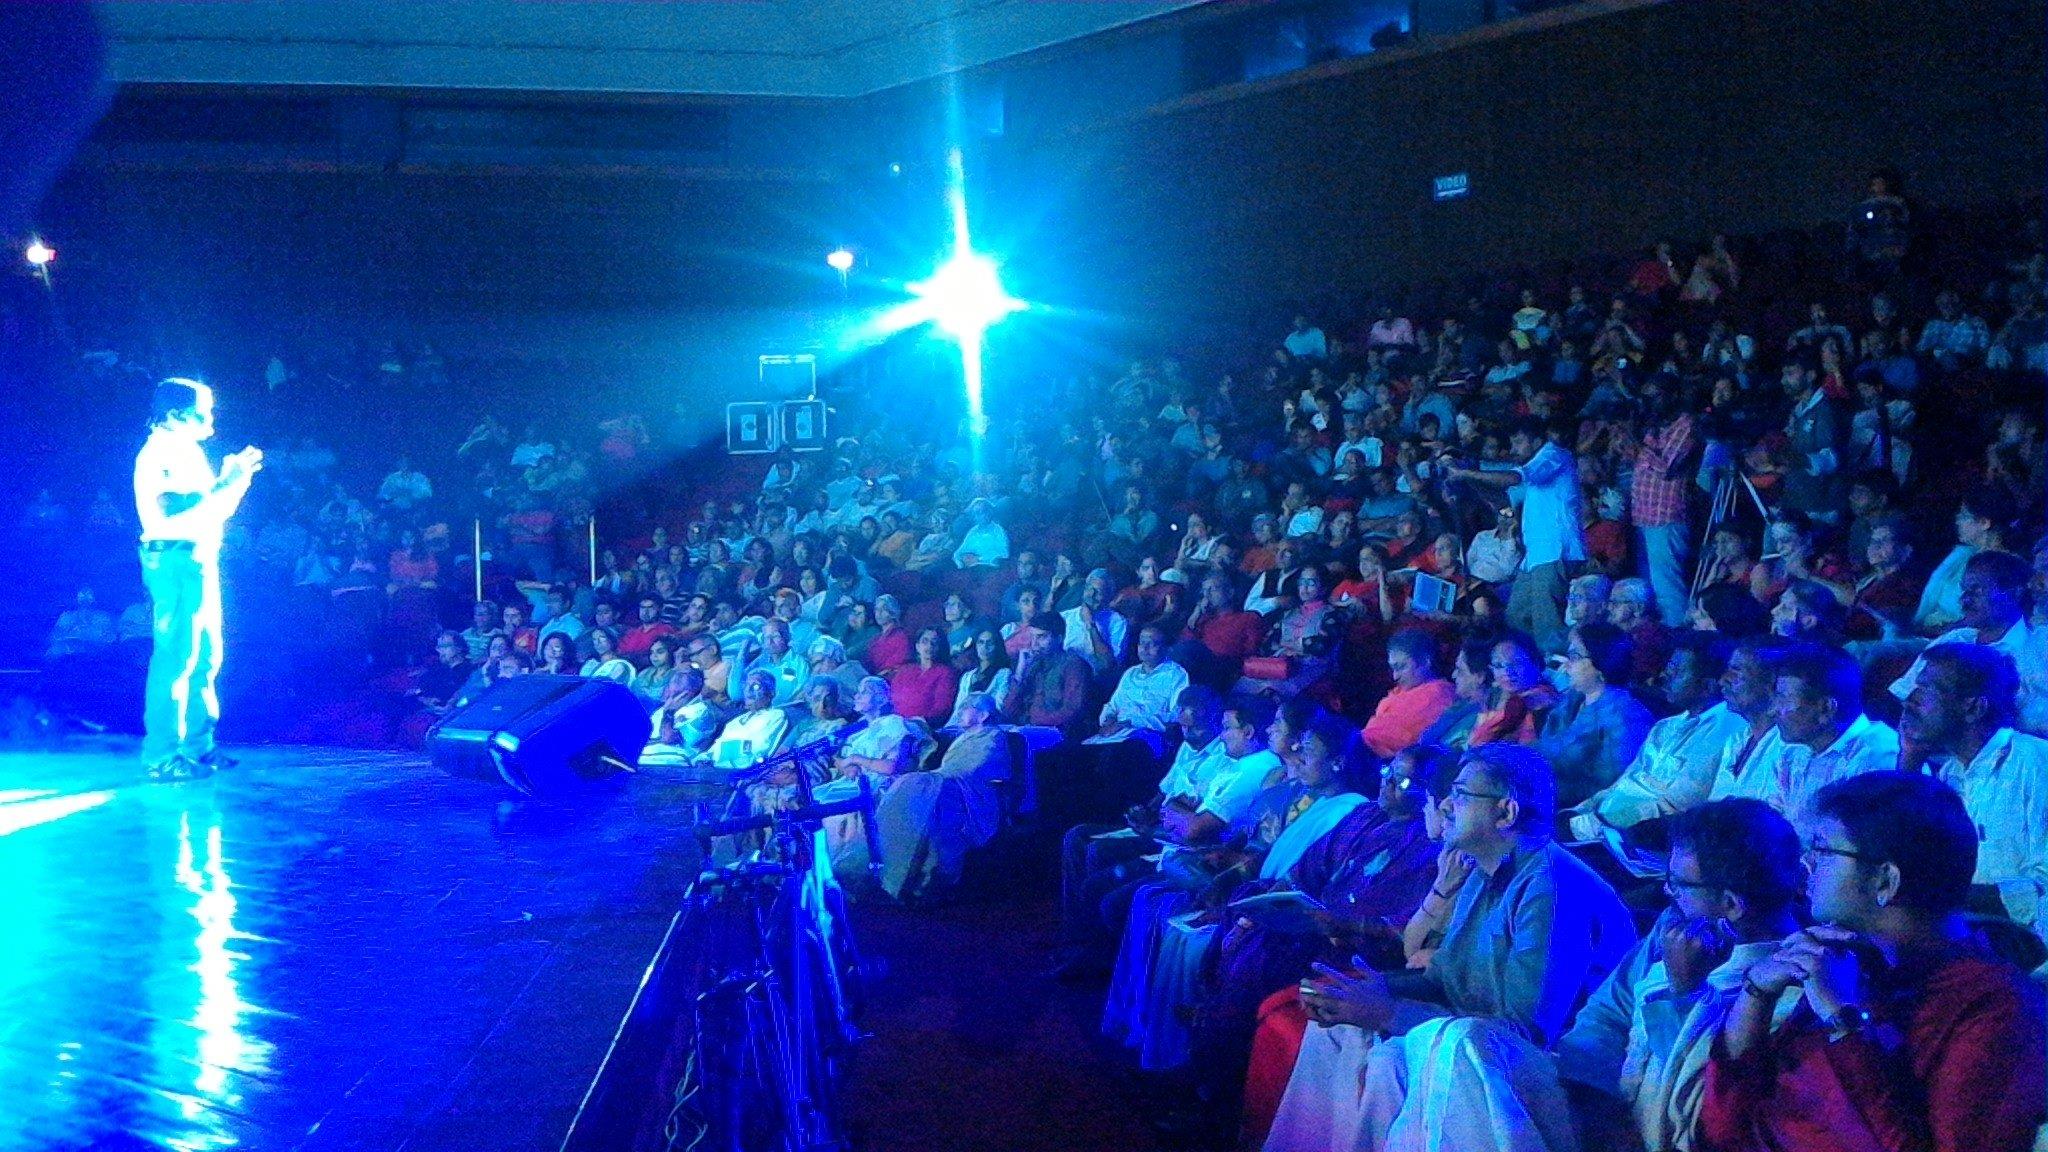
543 735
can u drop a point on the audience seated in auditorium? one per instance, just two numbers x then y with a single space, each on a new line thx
1555 456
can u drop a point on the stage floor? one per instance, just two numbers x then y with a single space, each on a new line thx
318 949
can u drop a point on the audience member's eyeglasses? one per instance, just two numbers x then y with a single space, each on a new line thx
1672 884
1813 850
1460 792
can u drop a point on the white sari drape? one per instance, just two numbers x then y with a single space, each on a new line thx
1133 1014
1159 963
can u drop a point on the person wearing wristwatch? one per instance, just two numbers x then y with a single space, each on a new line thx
1910 1032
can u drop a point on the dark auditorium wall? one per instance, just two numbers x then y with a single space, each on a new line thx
1669 120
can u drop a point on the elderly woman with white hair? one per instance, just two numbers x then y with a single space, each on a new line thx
824 714
828 658
1630 607
882 747
928 821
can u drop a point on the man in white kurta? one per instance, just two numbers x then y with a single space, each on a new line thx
184 508
1822 735
1146 698
1994 614
1958 724
1399 1061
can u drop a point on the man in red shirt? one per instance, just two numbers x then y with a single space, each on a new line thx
642 635
1894 1026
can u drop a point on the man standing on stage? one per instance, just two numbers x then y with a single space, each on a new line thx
184 509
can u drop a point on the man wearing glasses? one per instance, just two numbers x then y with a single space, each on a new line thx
709 658
1532 932
1907 1031
1636 1052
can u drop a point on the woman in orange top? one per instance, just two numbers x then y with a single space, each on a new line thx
1419 696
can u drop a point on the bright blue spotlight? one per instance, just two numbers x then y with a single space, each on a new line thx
965 297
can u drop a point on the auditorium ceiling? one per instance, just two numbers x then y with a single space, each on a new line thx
790 48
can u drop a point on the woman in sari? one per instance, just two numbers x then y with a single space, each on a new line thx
1302 639
1472 688
990 673
1364 879
651 684
1520 697
884 749
605 663
825 702
1017 633
1157 971
928 821
759 728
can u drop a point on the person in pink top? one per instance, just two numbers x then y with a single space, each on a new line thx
923 689
1418 697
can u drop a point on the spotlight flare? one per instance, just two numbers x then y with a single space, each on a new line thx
965 297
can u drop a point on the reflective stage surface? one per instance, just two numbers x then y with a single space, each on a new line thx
317 949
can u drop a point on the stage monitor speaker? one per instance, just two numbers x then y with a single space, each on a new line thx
543 735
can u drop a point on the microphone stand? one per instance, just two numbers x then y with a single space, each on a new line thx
808 811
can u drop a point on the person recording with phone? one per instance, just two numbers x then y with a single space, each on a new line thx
184 507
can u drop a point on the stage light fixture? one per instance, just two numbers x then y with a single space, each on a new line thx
38 254
841 260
